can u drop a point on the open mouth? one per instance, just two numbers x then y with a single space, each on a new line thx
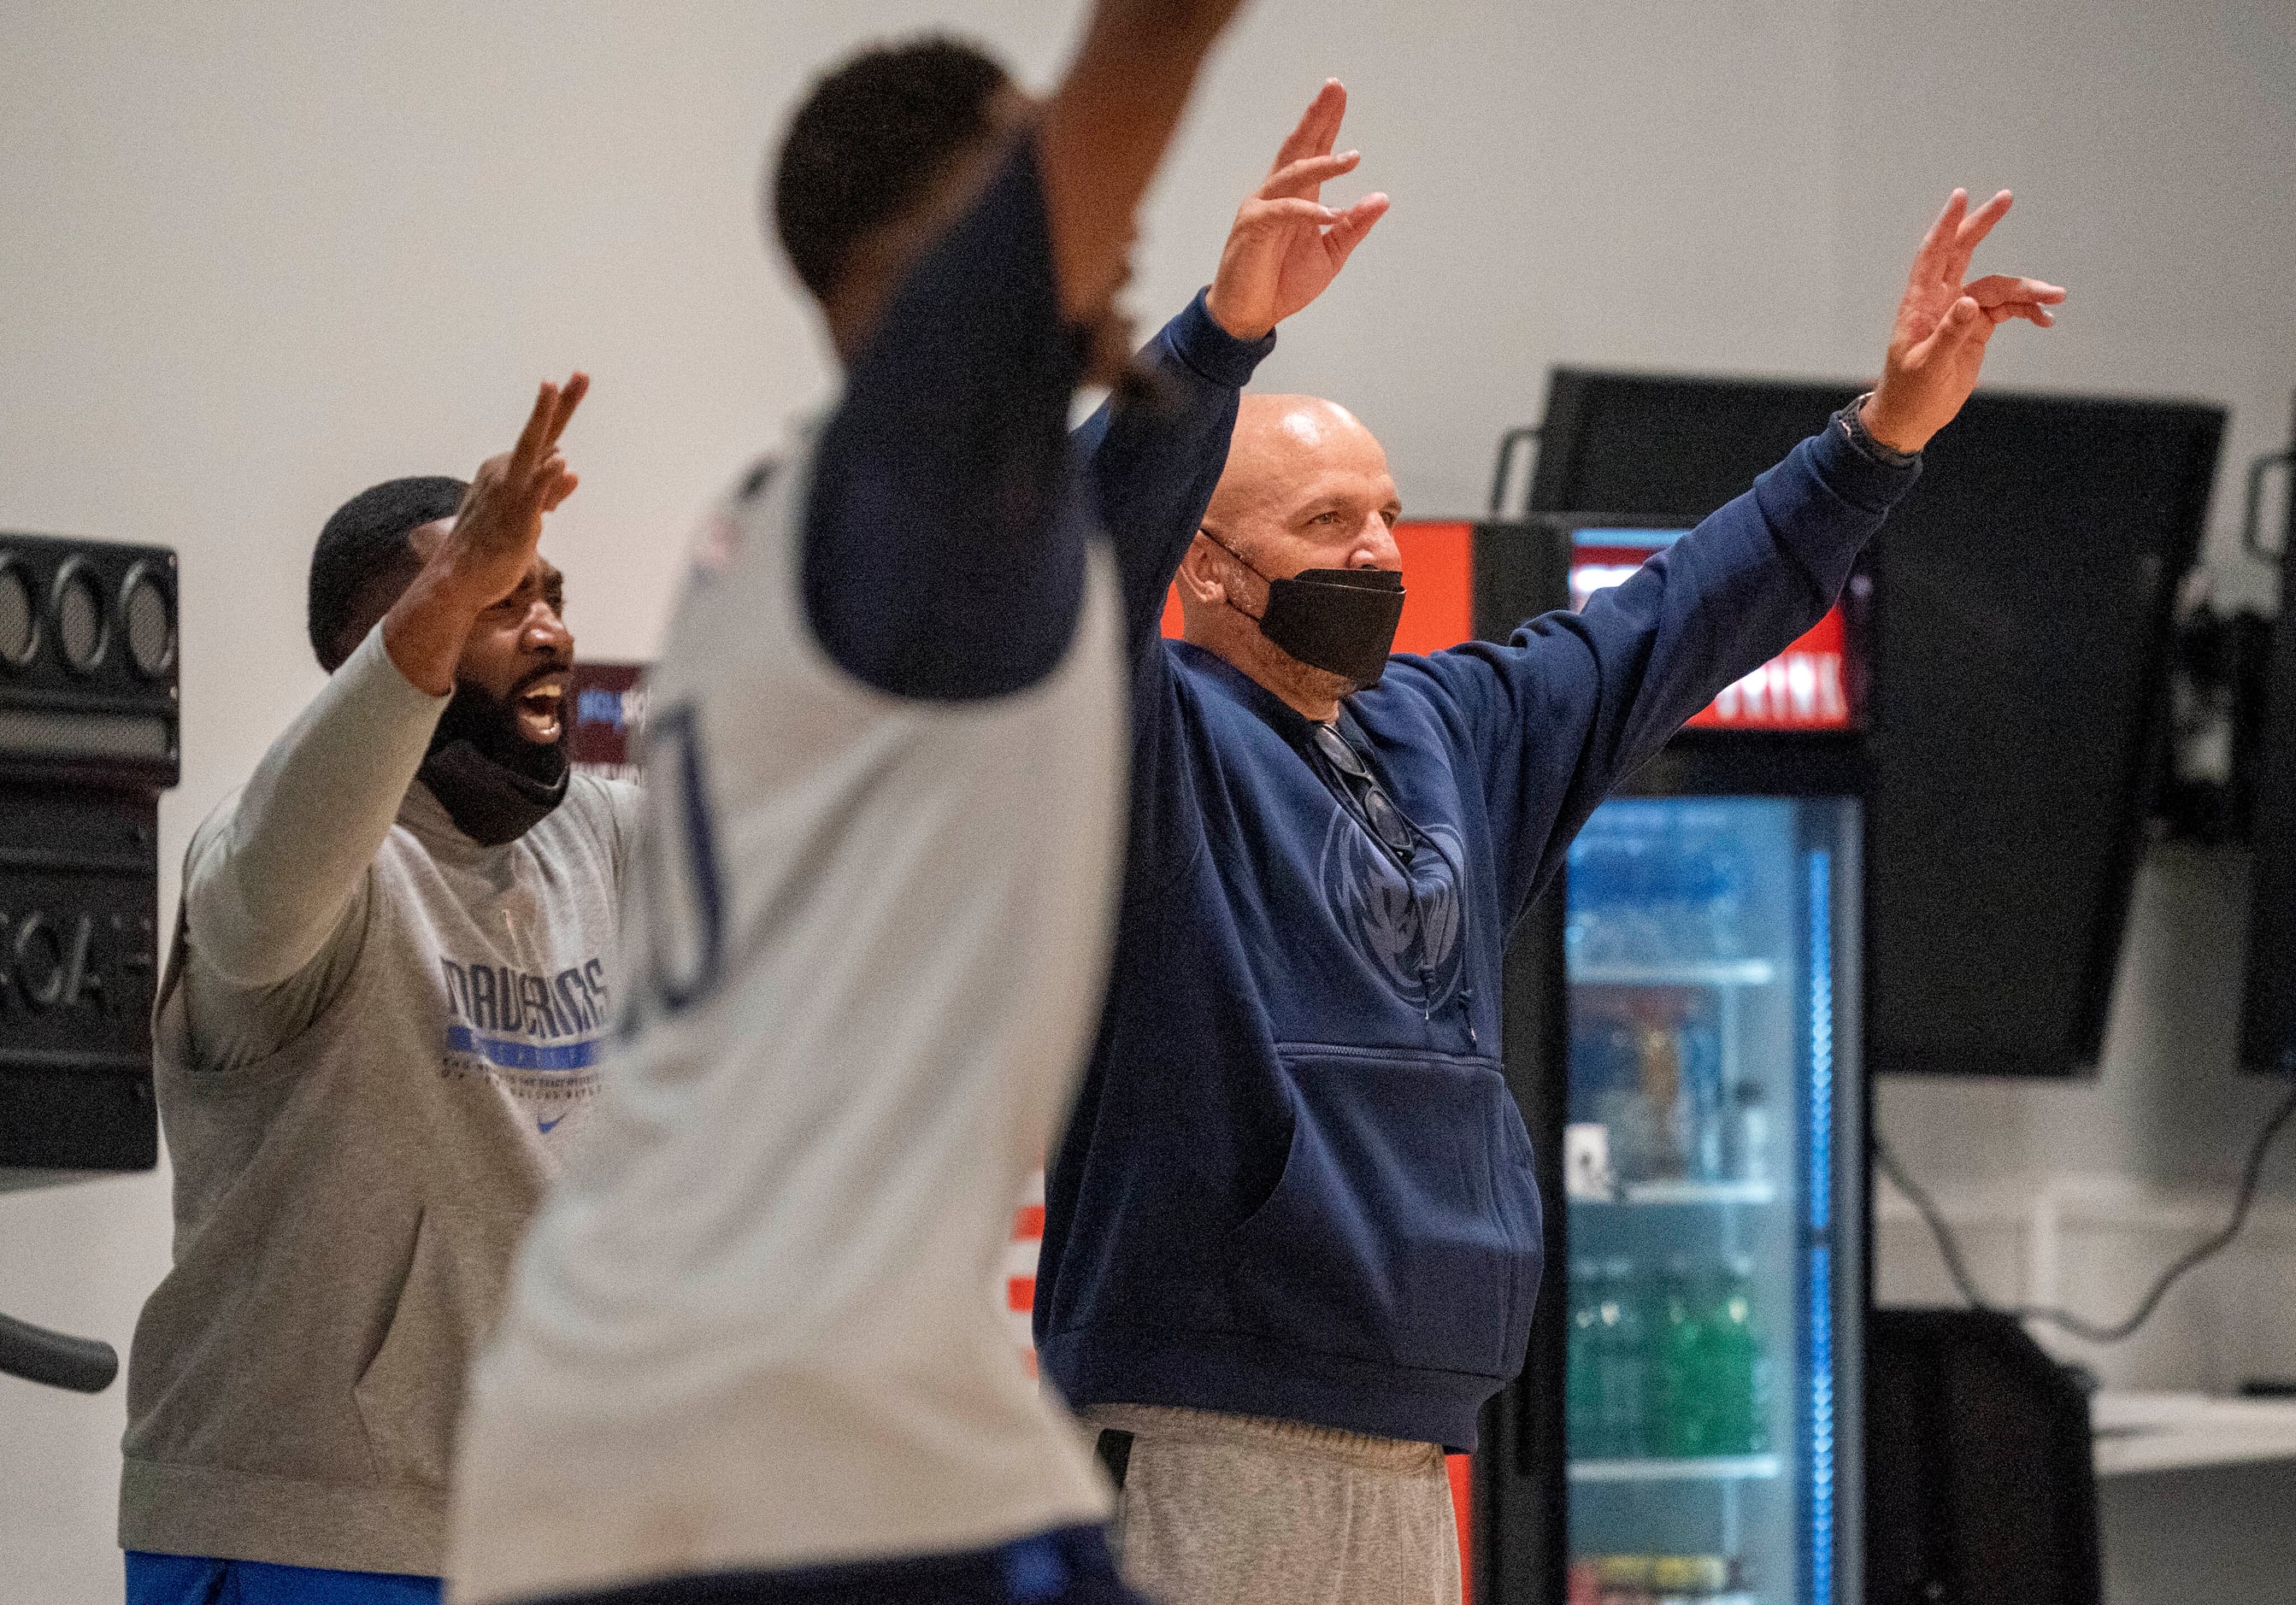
541 709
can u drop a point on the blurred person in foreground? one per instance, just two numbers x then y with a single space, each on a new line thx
375 1040
751 1352
1291 1239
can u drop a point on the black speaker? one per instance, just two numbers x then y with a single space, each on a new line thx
89 716
1981 1485
88 661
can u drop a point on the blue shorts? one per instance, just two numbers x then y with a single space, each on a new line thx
197 1580
1069 1566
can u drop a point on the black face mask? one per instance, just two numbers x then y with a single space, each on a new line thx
1340 620
494 784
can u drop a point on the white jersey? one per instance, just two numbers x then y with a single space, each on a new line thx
866 939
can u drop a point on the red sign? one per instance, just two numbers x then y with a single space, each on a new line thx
1802 688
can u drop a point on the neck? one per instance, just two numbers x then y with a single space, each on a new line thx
1312 694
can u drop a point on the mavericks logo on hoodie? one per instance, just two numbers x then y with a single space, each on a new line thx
1405 921
536 1035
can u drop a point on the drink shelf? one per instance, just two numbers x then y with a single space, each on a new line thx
1718 1468
1712 972
1695 1192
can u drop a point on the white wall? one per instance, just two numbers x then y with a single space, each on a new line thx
258 257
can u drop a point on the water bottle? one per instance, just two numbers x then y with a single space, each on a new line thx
1624 1364
1750 1134
1703 1113
1717 913
1659 1052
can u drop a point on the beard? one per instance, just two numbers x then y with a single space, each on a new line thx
490 724
495 784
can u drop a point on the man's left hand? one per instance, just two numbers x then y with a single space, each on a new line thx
1286 246
1938 344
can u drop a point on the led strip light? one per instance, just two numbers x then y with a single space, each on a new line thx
1821 1220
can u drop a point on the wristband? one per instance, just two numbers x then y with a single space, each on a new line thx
1854 425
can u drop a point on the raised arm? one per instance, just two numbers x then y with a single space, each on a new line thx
942 558
1105 131
1593 694
1156 453
267 885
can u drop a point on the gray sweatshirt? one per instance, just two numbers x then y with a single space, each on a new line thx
375 1041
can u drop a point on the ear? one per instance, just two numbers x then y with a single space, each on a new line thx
1201 576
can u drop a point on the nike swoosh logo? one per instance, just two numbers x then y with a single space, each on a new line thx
547 1126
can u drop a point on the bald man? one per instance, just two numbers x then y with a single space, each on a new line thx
1291 1238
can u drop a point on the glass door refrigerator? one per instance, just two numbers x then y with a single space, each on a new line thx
1709 1332
1681 1032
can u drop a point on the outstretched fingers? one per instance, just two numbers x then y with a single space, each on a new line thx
1308 174
1259 216
2004 296
576 386
1352 224
1317 128
1930 260
533 440
1980 223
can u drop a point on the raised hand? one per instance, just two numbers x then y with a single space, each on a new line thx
1938 343
487 550
495 534
1286 246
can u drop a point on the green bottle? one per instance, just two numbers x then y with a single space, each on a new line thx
1737 1372
1582 1377
1685 1409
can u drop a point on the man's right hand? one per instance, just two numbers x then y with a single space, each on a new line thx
1286 247
496 533
1938 343
488 549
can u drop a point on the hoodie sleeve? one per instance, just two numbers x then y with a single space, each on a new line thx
1573 703
1155 457
270 879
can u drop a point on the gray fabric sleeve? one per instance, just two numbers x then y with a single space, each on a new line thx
270 882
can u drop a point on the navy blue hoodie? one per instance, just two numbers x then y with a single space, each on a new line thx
1295 1183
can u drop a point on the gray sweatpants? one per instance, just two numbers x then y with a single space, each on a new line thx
1238 1510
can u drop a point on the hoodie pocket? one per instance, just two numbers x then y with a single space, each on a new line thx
411 1392
1404 1229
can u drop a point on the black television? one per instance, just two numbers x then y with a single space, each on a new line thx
2268 1023
2019 632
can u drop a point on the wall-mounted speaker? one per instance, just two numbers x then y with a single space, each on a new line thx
89 655
89 715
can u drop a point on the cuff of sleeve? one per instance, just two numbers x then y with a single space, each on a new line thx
1198 341
1857 475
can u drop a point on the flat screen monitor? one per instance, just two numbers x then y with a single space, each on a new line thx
2021 626
2267 1025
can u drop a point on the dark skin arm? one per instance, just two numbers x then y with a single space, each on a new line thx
1105 131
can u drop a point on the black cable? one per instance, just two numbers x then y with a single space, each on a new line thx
37 1354
1949 1249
